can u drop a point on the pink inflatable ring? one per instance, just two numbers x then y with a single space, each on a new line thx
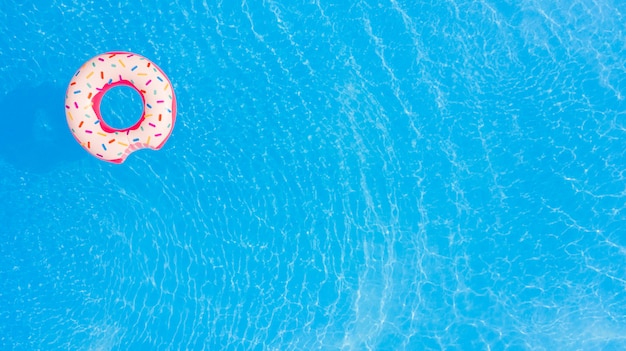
94 79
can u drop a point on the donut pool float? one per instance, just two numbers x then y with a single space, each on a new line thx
94 79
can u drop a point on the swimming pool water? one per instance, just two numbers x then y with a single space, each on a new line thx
371 175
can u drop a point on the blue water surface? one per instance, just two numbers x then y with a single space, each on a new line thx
367 175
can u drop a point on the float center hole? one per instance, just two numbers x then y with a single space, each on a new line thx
121 107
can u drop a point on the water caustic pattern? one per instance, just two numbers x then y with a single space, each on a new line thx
94 79
346 175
